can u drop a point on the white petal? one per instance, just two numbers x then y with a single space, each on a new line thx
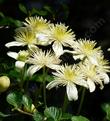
82 82
93 60
53 84
14 43
72 92
33 47
78 57
58 48
13 55
54 67
32 69
91 85
43 39
108 49
105 78
19 64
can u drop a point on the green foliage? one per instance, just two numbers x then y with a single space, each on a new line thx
23 8
54 113
2 116
27 102
37 117
106 109
8 21
15 99
79 118
39 78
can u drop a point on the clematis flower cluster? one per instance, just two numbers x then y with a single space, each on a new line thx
46 42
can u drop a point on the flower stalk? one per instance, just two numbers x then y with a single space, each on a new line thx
44 87
65 103
81 101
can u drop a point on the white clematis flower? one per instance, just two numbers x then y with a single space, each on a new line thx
68 76
93 75
86 49
24 36
41 28
61 36
39 59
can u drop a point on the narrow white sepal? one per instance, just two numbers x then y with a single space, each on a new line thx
78 57
54 67
91 85
58 48
32 69
14 43
72 92
82 82
53 84
105 78
13 55
19 64
93 60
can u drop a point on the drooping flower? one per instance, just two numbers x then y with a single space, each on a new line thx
61 36
68 76
24 36
94 75
86 49
41 28
21 57
40 58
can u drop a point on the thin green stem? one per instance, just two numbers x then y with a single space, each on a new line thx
44 87
81 101
23 75
65 103
23 112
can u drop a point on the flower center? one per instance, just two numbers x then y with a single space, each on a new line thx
87 48
69 74
59 35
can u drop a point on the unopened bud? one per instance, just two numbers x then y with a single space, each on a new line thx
4 83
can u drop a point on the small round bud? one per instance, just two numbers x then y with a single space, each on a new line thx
4 83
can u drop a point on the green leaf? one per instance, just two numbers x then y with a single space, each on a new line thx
23 8
49 78
27 102
48 8
14 74
79 118
106 108
15 99
66 116
2 15
37 117
53 112
39 12
39 78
